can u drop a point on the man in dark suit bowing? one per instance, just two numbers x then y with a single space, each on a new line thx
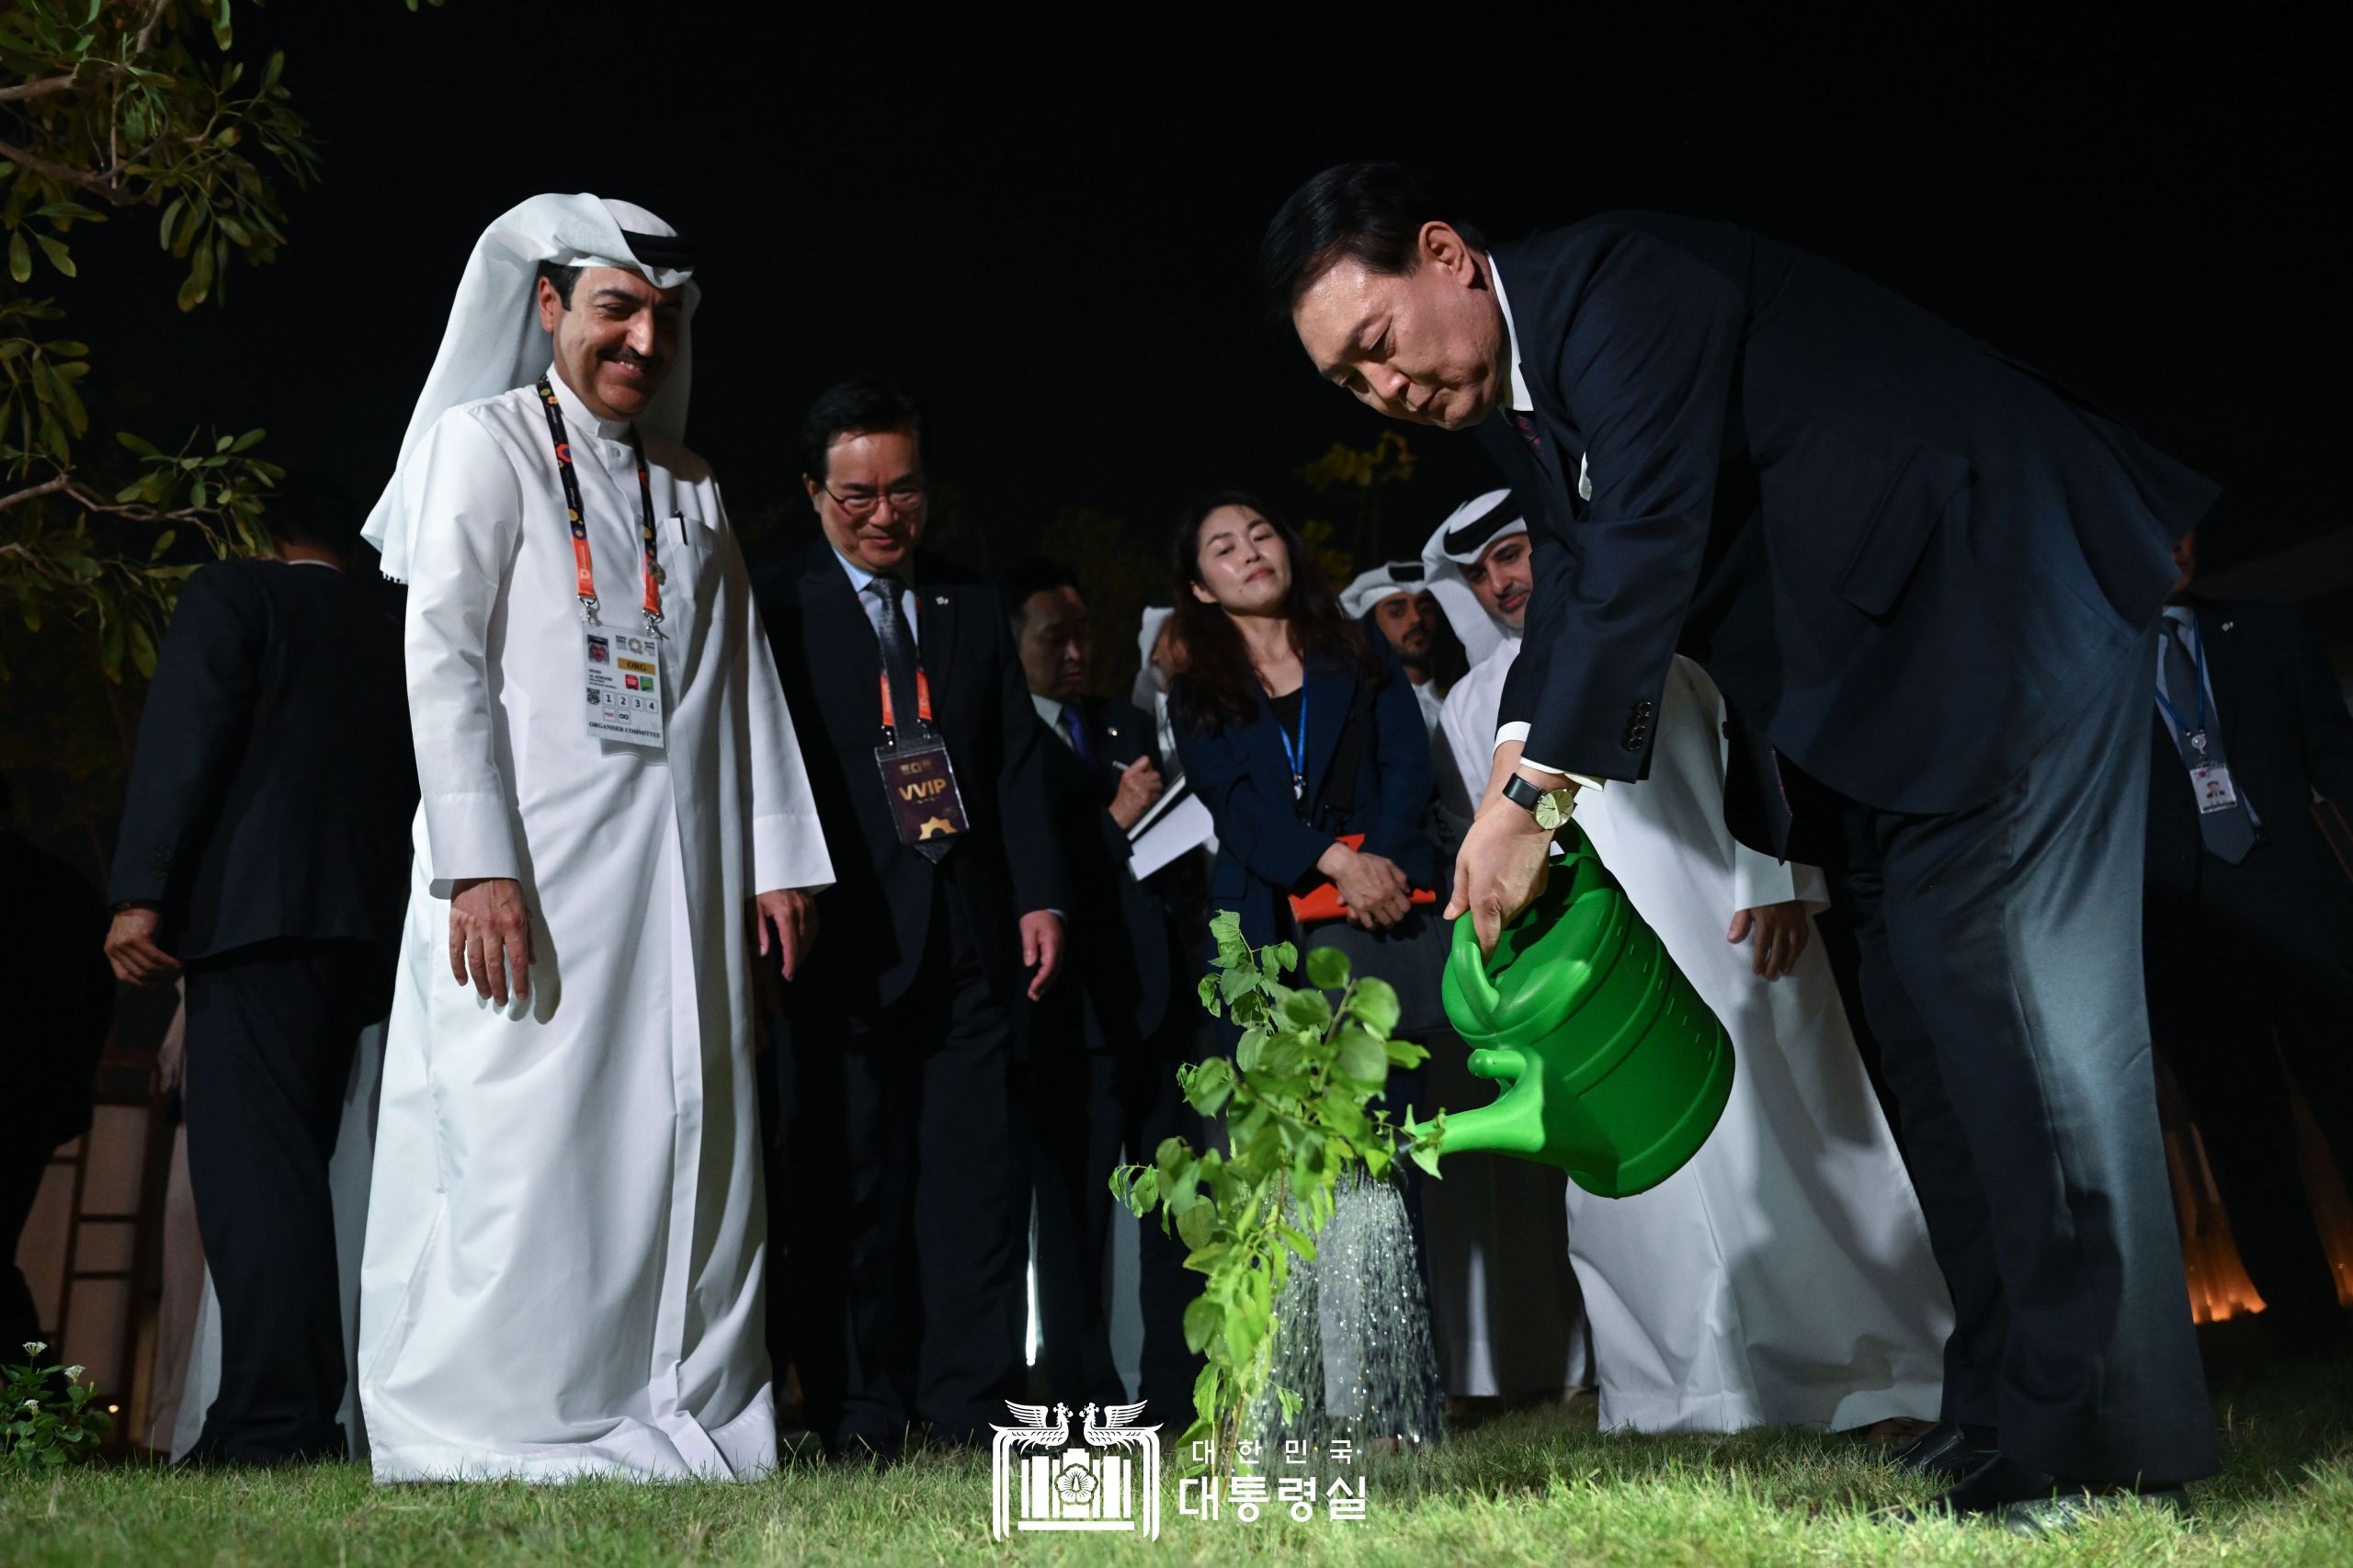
1103 1048
264 853
2249 924
905 1263
1923 577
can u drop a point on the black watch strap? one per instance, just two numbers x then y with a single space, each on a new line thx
1521 793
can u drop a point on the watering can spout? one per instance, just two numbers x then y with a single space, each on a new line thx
1608 1065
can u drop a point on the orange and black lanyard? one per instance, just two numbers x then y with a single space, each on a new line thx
584 567
923 700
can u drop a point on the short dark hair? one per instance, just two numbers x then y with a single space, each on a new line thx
563 278
307 507
1370 213
1028 577
861 407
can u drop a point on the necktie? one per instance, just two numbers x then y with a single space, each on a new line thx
1074 730
1526 425
2230 832
898 648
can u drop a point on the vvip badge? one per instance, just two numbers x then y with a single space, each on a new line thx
921 786
624 684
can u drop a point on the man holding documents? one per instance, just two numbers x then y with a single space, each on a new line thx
1102 1048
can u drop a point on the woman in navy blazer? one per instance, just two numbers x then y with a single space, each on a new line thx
1277 677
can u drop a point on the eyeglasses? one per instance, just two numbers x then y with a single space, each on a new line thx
903 496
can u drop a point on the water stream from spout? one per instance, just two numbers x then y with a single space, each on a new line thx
1352 1331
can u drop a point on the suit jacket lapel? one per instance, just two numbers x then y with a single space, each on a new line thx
1326 697
840 642
936 639
1110 752
1134 737
2231 695
1535 481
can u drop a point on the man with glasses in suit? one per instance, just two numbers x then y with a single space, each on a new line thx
904 1278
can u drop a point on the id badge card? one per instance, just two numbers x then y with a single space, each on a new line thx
2215 791
921 786
624 686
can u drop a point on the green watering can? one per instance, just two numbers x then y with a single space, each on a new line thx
1613 1069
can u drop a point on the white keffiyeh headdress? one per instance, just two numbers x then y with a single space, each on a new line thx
1459 541
495 342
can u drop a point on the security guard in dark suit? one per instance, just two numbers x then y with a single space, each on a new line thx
1103 1048
2248 928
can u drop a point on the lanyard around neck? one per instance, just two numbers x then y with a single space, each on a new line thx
1296 754
923 699
2197 725
583 565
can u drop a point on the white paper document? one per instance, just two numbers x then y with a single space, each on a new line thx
1183 827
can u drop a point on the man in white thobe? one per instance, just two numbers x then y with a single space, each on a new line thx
563 1265
1391 599
1783 1274
1503 1301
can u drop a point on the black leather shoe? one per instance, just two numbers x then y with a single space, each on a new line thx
2063 1511
1947 1449
2034 1502
864 1450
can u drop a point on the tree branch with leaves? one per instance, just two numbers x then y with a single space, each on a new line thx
109 108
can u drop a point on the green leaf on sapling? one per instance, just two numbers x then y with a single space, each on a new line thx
1307 1009
1203 1319
1328 967
1374 1002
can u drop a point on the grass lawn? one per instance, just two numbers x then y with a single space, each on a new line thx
1537 1487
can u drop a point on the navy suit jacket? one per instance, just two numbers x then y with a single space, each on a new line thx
875 921
1243 775
2286 731
274 784
1122 955
1905 560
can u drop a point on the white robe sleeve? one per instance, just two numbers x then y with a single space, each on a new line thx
1464 723
466 530
788 841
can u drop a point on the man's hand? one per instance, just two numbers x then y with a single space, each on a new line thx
1373 886
1041 950
794 914
1504 857
1139 788
131 950
1781 930
490 936
1500 869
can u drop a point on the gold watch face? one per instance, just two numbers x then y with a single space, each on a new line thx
1552 809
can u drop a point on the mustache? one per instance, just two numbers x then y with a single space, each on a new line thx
627 355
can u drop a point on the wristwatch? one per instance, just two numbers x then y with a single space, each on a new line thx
1549 807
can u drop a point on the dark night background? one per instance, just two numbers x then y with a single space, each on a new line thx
1047 233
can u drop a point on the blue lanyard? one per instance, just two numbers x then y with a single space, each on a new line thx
1297 754
2173 714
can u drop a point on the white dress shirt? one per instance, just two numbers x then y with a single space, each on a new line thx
859 577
